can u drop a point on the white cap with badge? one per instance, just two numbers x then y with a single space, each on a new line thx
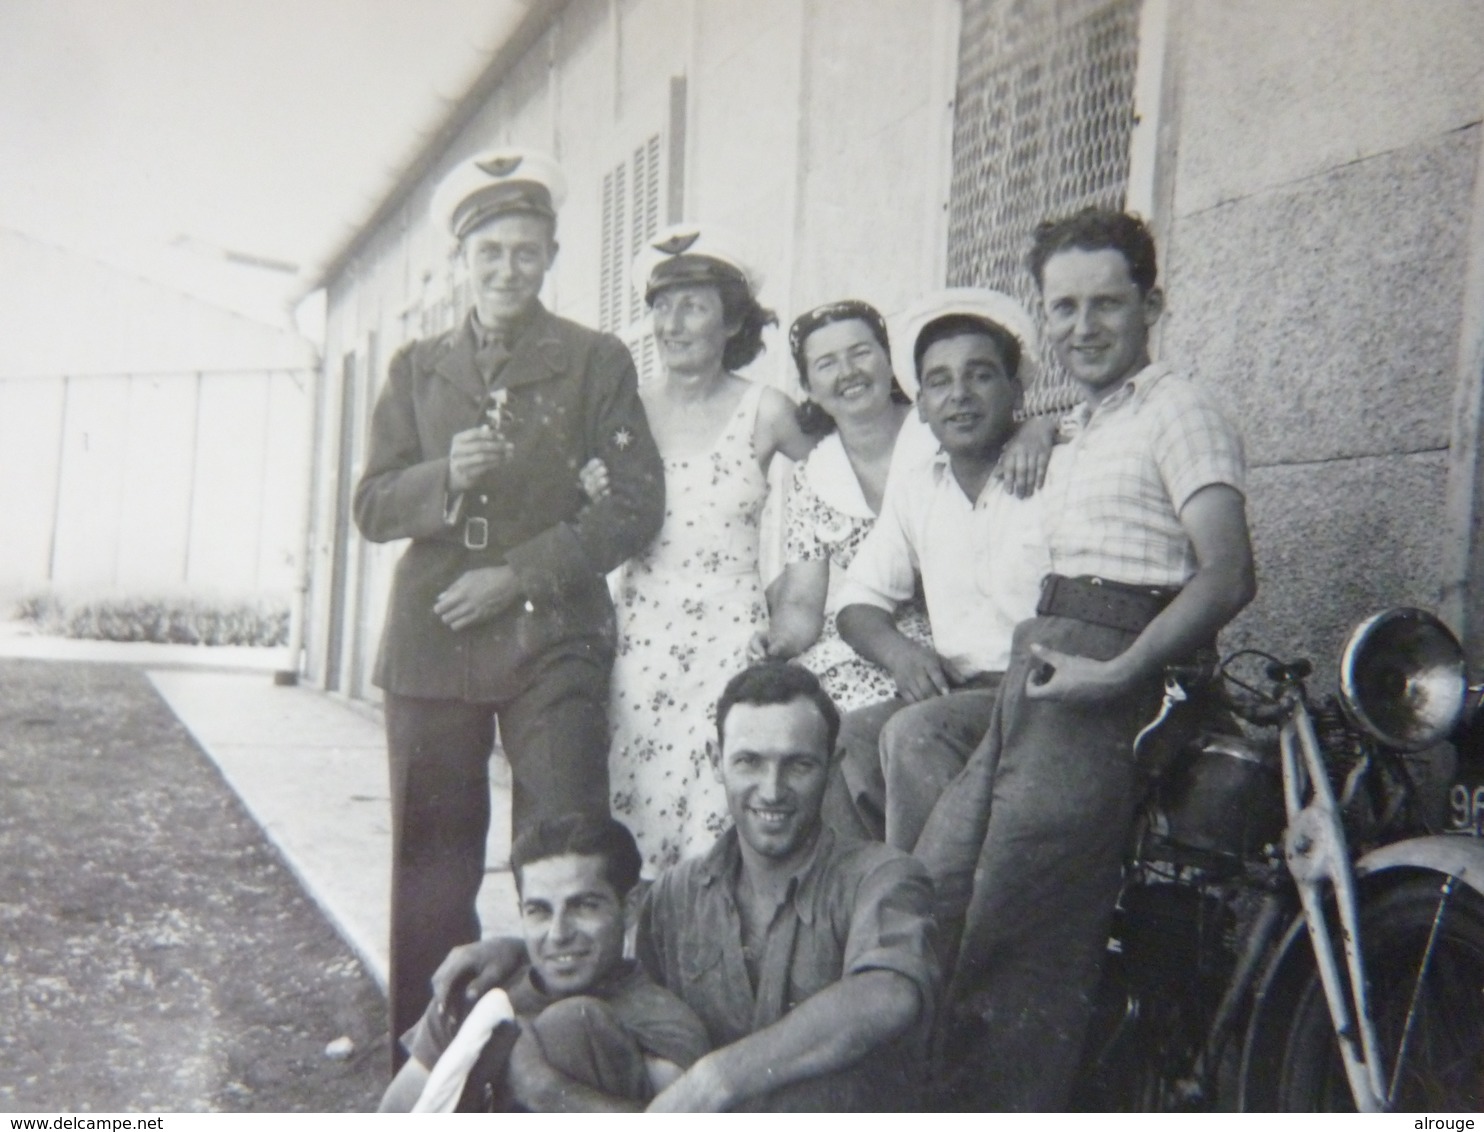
495 183
691 253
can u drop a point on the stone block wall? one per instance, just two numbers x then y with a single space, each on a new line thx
1315 263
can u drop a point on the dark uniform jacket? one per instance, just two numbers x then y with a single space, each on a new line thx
572 395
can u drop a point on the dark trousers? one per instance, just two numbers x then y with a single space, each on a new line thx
1027 844
555 734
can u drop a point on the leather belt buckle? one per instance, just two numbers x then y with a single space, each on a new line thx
476 533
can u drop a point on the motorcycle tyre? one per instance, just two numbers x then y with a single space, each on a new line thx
1445 1054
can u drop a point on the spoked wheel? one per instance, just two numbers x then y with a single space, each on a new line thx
1424 953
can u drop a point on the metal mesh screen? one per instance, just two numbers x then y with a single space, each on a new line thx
1045 110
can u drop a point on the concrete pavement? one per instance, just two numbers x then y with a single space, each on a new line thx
309 767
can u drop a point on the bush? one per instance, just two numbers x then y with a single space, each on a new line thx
163 620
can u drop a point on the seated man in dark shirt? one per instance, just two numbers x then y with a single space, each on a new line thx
810 960
574 1027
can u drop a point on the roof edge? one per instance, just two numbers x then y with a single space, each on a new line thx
541 15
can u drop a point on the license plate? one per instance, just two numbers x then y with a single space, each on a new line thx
1466 805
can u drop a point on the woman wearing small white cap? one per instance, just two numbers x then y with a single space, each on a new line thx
689 605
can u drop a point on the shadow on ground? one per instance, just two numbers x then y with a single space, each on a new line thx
154 952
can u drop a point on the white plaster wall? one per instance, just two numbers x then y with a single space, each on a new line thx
164 484
879 90
30 456
157 470
90 489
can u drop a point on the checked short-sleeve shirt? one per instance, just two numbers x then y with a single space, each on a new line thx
1114 492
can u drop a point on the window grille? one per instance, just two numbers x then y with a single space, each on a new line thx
1044 114
631 215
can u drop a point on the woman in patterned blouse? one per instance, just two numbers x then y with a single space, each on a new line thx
857 407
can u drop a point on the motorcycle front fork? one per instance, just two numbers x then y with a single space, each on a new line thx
1318 858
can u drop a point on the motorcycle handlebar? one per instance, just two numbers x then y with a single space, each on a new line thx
1243 700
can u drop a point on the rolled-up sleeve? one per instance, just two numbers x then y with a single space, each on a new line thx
884 571
892 926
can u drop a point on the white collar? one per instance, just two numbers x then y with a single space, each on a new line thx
831 477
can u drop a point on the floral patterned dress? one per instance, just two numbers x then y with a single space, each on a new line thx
828 518
687 608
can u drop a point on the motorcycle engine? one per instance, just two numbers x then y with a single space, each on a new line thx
1168 958
1223 796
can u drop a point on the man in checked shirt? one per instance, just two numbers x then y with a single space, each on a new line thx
1147 532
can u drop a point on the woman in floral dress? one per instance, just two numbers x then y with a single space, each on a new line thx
689 605
858 408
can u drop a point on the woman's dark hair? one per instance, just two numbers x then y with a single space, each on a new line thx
811 417
1094 230
580 835
740 309
954 325
777 682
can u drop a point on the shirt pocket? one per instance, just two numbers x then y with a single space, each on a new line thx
699 961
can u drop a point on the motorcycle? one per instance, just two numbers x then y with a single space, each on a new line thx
1296 932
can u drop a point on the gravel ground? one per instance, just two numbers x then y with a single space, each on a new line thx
155 955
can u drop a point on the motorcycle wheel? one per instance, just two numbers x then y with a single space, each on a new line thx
1443 1063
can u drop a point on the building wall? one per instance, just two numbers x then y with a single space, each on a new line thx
150 442
816 129
154 484
1317 244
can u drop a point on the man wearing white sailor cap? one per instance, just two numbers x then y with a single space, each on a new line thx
499 608
974 548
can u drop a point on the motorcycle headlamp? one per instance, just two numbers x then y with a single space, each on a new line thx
1402 678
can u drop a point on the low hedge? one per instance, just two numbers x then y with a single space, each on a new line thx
163 620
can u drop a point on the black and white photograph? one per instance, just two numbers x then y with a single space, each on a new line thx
788 556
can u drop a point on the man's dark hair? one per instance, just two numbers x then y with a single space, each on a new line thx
777 682
957 325
1094 230
580 835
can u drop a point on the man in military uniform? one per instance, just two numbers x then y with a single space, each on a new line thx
499 608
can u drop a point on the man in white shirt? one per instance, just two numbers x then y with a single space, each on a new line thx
975 549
